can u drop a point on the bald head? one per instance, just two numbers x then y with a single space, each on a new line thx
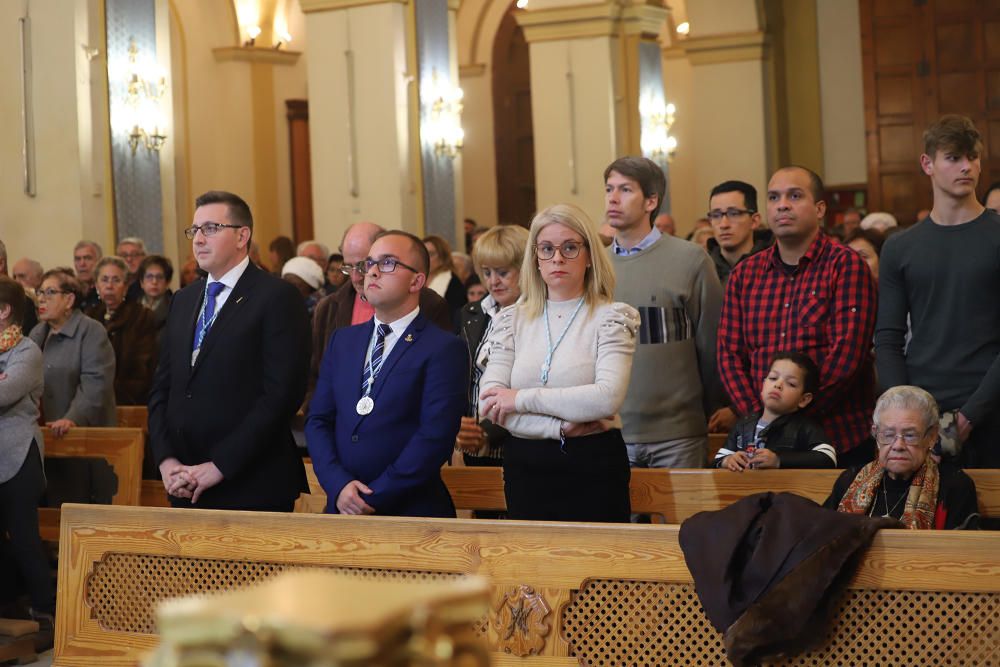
28 272
354 247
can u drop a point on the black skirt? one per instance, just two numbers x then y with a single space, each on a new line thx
587 480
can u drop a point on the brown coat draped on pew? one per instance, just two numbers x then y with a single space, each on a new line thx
766 567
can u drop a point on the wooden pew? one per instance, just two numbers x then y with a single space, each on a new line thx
670 495
563 594
122 448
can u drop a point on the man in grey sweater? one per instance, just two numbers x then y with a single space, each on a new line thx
941 275
674 286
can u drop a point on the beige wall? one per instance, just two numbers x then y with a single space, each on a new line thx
842 92
71 199
387 191
592 62
476 25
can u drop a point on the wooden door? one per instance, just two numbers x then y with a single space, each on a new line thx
297 112
923 59
513 136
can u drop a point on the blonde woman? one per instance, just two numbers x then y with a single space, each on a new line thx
559 367
497 256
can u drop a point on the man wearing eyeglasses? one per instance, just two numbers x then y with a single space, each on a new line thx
674 386
133 250
390 396
734 216
348 305
231 375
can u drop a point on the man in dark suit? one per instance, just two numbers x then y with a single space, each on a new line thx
346 306
232 374
390 396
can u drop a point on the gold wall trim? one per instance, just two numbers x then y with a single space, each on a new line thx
474 69
569 22
646 20
254 54
729 48
309 6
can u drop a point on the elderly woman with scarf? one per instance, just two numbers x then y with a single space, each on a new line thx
903 482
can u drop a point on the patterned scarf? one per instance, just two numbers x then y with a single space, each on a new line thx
921 500
10 337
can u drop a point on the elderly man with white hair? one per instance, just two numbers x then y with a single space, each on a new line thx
315 251
28 272
904 482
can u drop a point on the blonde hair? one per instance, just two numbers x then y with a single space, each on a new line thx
500 246
598 281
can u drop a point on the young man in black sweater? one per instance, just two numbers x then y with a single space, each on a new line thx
938 280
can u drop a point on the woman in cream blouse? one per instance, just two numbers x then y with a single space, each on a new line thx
559 366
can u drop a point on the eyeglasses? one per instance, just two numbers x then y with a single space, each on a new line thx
731 213
348 269
154 276
568 250
208 229
386 265
910 438
132 255
50 292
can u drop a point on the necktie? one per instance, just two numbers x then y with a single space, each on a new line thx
208 314
373 366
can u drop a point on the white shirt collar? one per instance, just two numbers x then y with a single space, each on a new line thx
231 277
399 326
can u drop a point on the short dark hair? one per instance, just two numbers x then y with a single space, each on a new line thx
646 173
873 236
816 186
335 257
748 191
811 380
239 210
67 280
424 266
160 261
953 132
993 186
12 294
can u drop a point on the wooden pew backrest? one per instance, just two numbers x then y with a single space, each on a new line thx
672 495
122 448
562 594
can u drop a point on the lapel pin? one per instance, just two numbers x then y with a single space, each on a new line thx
409 338
239 299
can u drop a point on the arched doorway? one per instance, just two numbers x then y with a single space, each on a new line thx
513 136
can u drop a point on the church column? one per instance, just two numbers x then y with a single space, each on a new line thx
375 68
588 75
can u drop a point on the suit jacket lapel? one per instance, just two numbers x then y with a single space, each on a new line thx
404 343
239 297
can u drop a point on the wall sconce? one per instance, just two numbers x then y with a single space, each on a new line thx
442 126
657 119
142 116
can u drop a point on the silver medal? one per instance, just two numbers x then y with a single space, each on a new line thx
365 405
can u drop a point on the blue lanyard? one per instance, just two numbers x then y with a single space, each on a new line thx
547 364
202 330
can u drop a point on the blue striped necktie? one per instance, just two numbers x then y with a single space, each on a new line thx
372 367
208 317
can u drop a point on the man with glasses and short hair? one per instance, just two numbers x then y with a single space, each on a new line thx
732 210
390 396
348 305
133 250
231 376
674 386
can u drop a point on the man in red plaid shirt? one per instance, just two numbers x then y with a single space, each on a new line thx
810 294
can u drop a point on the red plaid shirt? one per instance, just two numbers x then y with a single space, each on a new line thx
825 308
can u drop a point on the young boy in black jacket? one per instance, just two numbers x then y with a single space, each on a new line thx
780 436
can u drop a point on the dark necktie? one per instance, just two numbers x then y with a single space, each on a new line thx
372 367
208 316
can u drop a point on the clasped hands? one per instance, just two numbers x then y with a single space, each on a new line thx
500 403
183 481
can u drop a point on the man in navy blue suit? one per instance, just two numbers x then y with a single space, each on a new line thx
390 396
